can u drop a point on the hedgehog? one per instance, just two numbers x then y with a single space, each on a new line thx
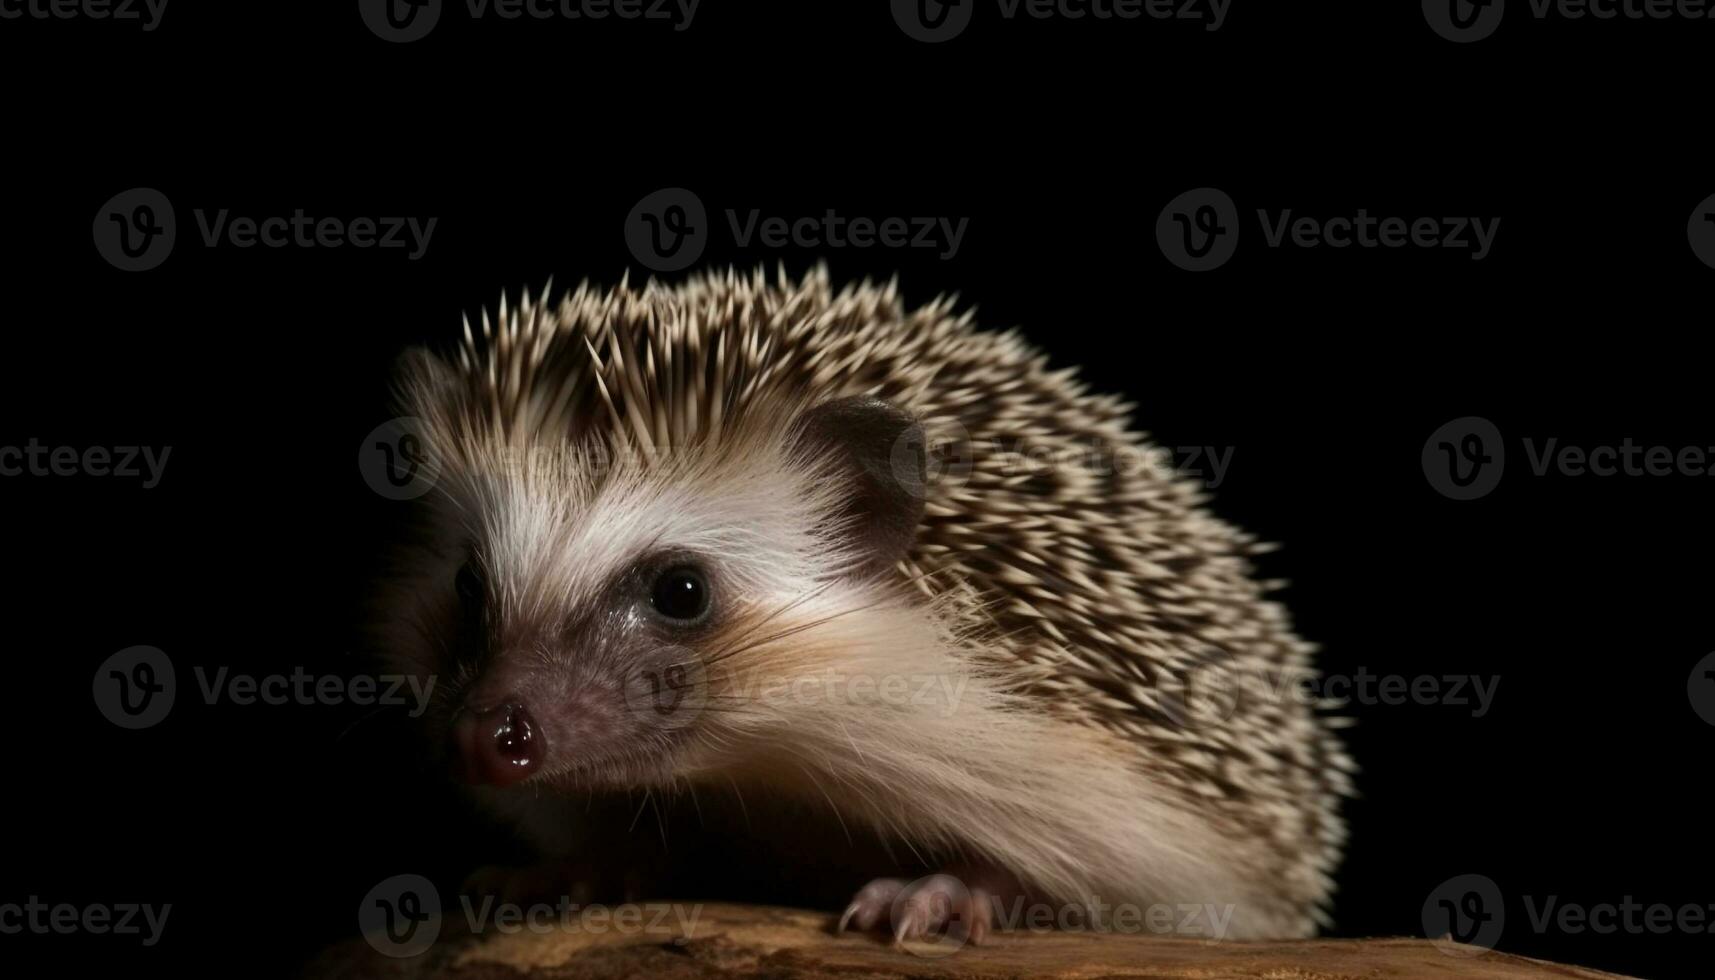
757 537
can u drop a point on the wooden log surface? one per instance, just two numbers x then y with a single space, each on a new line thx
734 941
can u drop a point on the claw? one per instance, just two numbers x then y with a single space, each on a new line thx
923 908
910 926
982 906
870 905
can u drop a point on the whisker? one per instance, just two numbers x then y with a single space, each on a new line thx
367 716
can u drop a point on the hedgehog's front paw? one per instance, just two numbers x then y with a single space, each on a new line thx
934 906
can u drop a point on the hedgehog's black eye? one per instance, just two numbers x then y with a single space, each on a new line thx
680 593
470 585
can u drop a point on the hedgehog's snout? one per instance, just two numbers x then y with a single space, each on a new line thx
498 746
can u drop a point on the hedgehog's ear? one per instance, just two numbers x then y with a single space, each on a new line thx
880 448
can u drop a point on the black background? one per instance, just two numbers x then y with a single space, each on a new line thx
1324 370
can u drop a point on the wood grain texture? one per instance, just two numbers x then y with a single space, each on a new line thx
755 941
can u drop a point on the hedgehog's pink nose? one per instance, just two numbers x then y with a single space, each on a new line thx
499 746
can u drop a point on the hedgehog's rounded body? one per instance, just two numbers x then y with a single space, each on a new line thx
1117 734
